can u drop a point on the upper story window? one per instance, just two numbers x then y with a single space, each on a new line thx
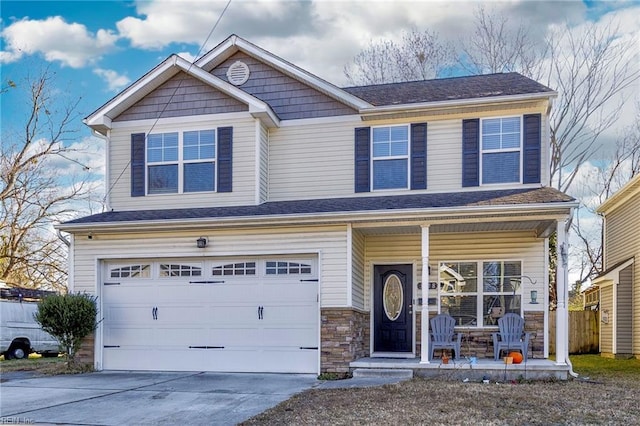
390 152
181 162
501 141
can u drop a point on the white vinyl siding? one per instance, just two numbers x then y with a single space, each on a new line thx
357 274
329 242
472 247
312 161
243 166
263 165
444 155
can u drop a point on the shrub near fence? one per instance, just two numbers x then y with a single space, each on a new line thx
584 332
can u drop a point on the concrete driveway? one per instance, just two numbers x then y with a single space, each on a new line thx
124 397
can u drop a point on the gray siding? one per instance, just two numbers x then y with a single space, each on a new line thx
606 328
624 311
289 98
185 96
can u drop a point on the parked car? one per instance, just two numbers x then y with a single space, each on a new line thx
20 334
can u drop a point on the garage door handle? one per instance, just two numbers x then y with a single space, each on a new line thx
206 347
154 313
309 347
260 312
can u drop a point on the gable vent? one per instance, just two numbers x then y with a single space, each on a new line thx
238 73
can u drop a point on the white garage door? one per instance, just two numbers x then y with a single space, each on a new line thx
241 315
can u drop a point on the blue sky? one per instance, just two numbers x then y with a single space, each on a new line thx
97 48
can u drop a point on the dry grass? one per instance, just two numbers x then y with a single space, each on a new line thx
607 397
42 365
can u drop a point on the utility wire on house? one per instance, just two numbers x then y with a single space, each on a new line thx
166 105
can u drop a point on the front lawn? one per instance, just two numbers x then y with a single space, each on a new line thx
40 364
605 393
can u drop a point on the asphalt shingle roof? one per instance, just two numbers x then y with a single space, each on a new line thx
443 201
448 89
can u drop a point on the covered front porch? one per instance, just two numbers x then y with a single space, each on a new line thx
431 256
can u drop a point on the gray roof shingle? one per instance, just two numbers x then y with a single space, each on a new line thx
442 201
447 89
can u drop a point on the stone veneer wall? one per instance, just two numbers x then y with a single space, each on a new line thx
86 353
479 342
344 337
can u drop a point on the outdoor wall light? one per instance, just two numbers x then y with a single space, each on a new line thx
534 297
201 242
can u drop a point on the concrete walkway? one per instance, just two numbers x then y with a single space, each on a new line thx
124 397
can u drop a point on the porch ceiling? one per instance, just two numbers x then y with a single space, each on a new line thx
541 228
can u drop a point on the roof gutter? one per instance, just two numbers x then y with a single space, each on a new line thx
324 218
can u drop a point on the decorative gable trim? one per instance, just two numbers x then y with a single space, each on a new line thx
234 43
100 119
471 152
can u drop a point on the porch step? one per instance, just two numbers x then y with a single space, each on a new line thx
403 373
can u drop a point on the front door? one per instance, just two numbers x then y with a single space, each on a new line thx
392 308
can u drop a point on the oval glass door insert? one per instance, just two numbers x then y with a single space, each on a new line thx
392 297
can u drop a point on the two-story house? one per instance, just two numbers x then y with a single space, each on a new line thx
261 219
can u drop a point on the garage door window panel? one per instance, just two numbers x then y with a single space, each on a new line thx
131 271
179 270
287 268
235 269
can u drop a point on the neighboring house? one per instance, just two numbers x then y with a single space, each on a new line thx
591 298
620 282
262 219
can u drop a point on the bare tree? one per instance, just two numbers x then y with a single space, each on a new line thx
497 46
419 56
604 179
592 71
34 195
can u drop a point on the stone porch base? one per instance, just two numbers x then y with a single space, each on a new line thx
495 371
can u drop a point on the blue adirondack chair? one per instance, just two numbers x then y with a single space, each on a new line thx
511 336
442 335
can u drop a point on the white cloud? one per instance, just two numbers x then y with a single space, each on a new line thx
55 39
114 80
187 55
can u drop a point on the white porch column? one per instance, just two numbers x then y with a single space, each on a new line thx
562 292
424 320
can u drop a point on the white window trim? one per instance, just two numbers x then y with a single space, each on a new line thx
181 162
480 293
407 157
500 150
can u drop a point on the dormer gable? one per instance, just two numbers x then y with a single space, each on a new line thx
101 119
221 57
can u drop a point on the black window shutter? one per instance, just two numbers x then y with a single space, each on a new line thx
419 156
225 158
532 148
471 152
362 159
137 164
